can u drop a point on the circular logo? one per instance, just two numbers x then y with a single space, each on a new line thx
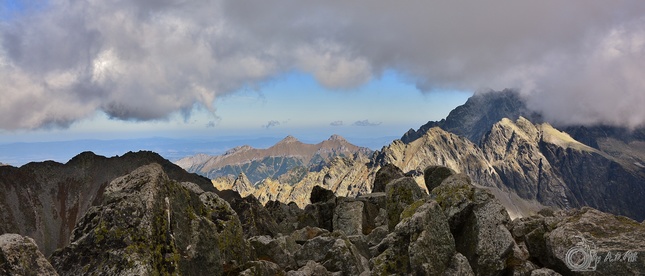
582 256
579 258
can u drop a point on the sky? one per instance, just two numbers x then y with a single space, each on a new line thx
73 69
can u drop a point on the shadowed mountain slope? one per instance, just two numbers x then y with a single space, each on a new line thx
480 112
44 200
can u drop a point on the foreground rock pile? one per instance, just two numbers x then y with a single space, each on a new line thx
149 224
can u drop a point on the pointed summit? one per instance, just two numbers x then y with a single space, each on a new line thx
242 185
337 137
272 162
238 149
288 139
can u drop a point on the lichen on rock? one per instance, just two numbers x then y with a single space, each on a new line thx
148 224
20 256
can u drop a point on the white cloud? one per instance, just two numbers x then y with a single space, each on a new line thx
578 61
272 123
336 123
364 123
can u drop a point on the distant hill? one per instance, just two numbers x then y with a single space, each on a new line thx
18 154
287 155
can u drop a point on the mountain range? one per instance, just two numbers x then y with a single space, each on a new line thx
288 155
157 219
568 166
496 140
461 196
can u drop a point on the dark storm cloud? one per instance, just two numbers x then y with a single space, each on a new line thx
578 61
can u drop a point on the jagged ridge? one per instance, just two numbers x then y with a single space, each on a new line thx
279 159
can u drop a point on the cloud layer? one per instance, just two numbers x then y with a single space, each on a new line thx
270 124
577 61
364 123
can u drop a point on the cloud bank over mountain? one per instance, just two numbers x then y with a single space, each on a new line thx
64 60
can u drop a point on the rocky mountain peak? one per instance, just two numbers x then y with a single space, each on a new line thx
475 117
273 162
521 128
336 137
67 191
150 224
287 140
243 185
235 150
83 157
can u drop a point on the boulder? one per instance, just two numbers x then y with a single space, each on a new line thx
459 266
455 195
360 241
335 252
261 267
379 199
544 272
421 243
400 194
20 256
385 175
320 194
304 234
256 220
586 239
521 269
149 224
431 243
319 214
520 262
478 223
349 217
310 269
279 250
434 175
374 211
285 215
390 261
377 235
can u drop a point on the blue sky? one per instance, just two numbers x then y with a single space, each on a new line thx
73 69
300 106
10 7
